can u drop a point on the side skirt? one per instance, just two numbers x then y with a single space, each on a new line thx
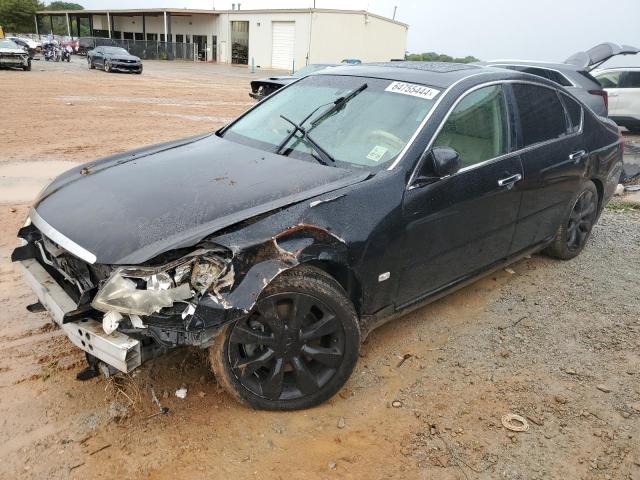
368 323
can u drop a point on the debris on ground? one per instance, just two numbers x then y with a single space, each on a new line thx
514 422
181 393
341 422
118 411
396 404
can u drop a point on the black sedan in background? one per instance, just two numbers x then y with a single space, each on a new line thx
266 86
114 59
340 202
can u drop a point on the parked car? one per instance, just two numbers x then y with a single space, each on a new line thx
31 46
72 45
266 86
574 74
623 86
351 61
85 44
13 56
340 202
114 59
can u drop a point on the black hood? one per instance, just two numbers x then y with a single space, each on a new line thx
128 208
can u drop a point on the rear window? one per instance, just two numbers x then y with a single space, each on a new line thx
542 116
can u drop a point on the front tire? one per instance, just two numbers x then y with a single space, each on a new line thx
27 67
107 66
295 349
573 233
91 65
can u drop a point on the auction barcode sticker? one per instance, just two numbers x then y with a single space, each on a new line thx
413 90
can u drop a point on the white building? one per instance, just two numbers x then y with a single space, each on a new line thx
268 38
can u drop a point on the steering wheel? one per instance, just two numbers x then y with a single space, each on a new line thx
382 136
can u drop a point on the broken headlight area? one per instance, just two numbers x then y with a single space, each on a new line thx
176 287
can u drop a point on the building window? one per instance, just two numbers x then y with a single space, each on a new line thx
180 38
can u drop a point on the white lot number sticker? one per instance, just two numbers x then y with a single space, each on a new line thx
413 90
377 153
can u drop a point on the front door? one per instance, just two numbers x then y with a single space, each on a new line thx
461 224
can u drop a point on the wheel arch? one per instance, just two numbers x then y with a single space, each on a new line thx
600 188
345 276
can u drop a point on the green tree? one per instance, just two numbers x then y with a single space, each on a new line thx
64 6
17 16
439 57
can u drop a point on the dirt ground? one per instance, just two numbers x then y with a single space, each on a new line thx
555 342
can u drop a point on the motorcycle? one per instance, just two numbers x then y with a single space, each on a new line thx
66 54
51 52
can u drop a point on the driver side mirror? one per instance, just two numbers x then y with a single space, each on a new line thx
437 163
446 161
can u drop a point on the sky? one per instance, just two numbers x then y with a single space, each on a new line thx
549 30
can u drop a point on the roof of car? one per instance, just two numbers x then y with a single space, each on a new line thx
437 74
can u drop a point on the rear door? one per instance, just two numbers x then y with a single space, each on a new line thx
553 159
629 96
460 224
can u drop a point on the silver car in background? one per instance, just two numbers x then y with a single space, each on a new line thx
574 73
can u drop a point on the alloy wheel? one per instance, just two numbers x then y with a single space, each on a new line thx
289 347
581 220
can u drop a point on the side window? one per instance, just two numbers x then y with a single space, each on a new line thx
542 117
609 79
574 111
477 128
630 79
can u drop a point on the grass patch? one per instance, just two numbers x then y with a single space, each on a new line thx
623 206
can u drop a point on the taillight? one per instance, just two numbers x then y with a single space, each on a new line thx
604 95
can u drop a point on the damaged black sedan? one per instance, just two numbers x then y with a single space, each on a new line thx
340 202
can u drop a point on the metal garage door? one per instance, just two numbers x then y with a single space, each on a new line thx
284 36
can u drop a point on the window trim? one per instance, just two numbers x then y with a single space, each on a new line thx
520 151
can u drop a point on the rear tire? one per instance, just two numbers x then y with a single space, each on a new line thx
91 65
573 233
296 348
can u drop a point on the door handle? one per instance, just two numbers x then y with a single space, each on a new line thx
577 156
509 181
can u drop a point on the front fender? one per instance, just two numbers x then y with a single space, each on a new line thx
257 265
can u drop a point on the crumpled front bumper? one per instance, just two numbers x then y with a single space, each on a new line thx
117 349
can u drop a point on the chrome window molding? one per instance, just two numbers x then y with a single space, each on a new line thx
426 119
57 237
507 64
506 155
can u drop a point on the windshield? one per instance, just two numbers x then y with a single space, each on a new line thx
116 50
370 129
309 69
5 43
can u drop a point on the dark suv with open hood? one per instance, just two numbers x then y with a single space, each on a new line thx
341 201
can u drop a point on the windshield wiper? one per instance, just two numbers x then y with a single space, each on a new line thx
326 157
338 105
